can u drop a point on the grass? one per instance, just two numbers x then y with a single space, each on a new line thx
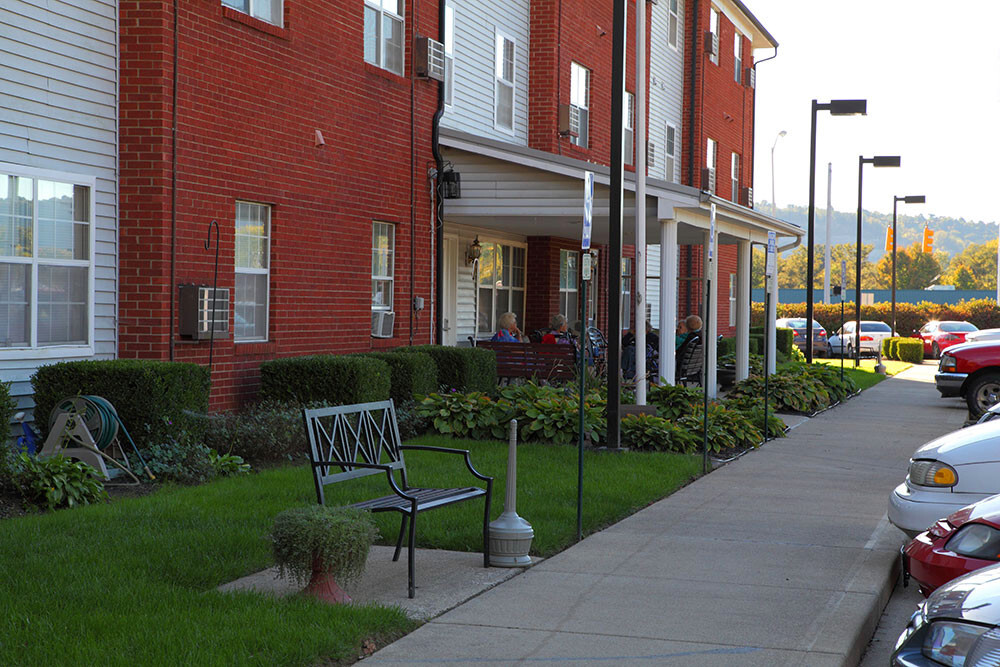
865 375
133 582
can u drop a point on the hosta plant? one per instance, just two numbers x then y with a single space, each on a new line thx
57 481
649 432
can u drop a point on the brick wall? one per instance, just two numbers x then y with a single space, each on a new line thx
251 97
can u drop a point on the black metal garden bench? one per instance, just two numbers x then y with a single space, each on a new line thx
351 441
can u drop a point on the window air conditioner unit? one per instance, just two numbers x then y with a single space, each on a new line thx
750 77
382 323
429 55
746 197
569 119
711 44
197 317
650 154
708 179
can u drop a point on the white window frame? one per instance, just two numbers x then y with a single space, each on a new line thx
628 135
670 152
252 8
732 299
237 270
627 293
378 6
500 80
569 294
711 159
738 56
580 100
497 285
66 350
389 277
713 27
673 25
734 173
449 54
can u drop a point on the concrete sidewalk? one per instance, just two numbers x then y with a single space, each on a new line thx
783 557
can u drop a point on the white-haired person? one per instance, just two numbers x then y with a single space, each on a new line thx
558 331
507 331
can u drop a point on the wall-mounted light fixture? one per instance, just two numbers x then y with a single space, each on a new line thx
474 252
451 184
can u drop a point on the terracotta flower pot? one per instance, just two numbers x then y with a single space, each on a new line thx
323 586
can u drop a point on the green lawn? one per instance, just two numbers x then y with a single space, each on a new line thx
865 375
132 582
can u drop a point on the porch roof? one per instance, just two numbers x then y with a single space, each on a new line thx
521 190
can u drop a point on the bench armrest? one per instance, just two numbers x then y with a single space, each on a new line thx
449 450
374 466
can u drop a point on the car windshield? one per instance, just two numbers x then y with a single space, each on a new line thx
875 327
958 326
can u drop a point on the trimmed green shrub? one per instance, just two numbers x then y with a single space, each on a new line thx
887 347
727 346
7 404
266 432
328 379
756 343
911 350
784 339
461 368
147 395
411 374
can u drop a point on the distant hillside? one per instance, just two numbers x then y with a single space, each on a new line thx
951 235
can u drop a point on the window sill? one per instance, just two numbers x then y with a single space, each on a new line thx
255 23
391 77
254 348
53 352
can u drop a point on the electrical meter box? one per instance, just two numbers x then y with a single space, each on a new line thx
203 308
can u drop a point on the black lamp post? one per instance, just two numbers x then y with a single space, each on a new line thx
878 161
909 199
836 108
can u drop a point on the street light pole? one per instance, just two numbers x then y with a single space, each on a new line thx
774 205
878 161
836 108
909 199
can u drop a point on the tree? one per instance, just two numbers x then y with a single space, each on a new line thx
914 269
980 260
962 278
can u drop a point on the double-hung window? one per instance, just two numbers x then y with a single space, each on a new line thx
569 284
449 54
713 27
626 293
738 57
579 103
384 34
670 154
711 153
674 24
629 133
253 249
265 10
46 261
504 89
501 284
736 178
383 265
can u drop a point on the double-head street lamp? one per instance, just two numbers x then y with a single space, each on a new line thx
909 199
878 161
836 108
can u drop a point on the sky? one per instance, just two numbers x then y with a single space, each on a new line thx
931 74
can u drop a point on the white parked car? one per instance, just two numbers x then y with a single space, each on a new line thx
947 474
872 334
982 336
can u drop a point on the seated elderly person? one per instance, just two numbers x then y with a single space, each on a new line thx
558 331
507 331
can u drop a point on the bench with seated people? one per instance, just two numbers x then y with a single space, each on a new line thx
541 361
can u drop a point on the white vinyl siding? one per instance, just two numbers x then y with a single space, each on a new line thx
265 10
666 87
579 100
383 32
58 123
504 91
383 265
473 92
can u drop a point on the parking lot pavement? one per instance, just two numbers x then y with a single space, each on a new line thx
890 626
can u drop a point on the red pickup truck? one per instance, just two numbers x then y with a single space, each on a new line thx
972 371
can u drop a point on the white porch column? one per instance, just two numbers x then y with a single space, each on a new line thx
710 323
769 318
743 262
668 300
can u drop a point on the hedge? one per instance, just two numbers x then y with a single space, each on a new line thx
727 346
984 313
146 394
410 374
7 404
462 368
784 338
327 378
911 350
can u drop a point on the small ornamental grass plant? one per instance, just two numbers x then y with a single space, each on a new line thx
317 540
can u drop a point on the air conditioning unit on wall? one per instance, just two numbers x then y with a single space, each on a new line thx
746 197
708 180
429 58
382 323
750 77
711 43
203 312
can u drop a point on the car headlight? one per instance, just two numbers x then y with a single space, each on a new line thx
948 364
960 644
976 540
925 472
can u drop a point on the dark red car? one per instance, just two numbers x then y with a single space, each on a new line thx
965 541
972 371
938 336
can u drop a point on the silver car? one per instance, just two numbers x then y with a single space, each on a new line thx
872 334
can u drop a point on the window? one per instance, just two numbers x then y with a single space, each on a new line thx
501 284
383 249
738 57
46 263
384 34
569 284
670 153
449 54
265 10
629 133
626 292
579 101
736 178
504 93
732 299
711 150
674 22
713 27
253 232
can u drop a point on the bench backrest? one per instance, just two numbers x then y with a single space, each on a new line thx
690 360
543 360
361 433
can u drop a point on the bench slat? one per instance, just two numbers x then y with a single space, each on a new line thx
426 499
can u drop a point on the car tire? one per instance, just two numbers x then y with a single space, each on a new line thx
935 351
983 393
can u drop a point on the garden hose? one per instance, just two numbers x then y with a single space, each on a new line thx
101 419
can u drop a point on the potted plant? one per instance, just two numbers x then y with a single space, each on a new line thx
324 546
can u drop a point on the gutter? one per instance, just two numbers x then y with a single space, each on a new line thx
438 202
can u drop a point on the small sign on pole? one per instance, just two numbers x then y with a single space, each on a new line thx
843 278
586 265
772 252
588 208
711 234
